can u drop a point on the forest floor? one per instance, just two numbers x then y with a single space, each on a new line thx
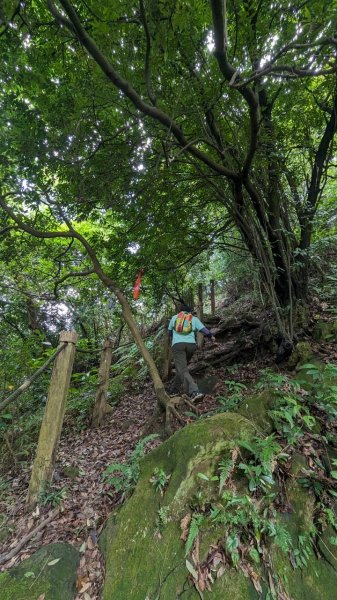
82 459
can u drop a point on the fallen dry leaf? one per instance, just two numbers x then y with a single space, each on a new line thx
184 525
85 587
90 543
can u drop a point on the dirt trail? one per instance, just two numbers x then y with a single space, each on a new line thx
88 500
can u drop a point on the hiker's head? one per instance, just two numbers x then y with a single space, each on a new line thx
185 308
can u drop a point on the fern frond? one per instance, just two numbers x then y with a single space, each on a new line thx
195 525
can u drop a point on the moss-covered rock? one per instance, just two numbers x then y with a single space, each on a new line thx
316 580
51 572
145 555
71 471
301 354
143 563
255 408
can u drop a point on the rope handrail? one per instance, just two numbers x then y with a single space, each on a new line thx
25 385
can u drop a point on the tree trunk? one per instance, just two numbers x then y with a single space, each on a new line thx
101 406
166 365
200 313
212 282
52 422
162 397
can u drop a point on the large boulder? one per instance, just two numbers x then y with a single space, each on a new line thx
142 543
50 573
142 563
317 579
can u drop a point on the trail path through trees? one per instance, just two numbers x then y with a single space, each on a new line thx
82 458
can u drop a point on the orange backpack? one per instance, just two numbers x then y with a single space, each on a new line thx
183 323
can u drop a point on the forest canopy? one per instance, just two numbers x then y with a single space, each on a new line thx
142 136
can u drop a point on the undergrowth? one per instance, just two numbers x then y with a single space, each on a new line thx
123 477
245 499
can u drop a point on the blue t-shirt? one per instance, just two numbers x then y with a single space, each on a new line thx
189 338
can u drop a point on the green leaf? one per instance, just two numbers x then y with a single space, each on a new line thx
202 476
53 562
255 556
192 570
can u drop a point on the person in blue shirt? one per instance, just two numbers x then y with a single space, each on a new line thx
183 348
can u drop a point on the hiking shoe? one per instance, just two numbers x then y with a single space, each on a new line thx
196 396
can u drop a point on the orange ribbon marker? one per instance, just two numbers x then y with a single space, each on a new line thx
138 281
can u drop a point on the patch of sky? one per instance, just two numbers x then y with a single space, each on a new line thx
133 247
27 41
210 41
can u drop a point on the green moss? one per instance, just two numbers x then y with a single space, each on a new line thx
255 408
301 354
4 534
328 550
317 581
140 562
34 576
143 564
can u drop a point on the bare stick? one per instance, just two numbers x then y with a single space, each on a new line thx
6 557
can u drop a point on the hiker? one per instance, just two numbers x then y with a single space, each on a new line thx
182 328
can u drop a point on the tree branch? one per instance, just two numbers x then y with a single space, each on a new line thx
232 75
123 85
62 234
150 93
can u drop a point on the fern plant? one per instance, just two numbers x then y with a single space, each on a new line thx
123 477
264 453
50 496
159 480
196 522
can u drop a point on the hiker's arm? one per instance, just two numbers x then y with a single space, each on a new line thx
207 333
202 329
170 328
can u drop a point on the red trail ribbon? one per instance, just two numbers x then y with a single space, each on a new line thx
138 281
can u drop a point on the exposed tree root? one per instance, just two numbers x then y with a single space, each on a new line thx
172 411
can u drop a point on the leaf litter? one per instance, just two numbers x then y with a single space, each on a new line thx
89 501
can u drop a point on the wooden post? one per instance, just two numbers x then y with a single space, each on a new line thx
52 422
212 298
190 298
200 314
101 406
166 365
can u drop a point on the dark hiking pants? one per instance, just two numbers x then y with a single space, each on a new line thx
182 354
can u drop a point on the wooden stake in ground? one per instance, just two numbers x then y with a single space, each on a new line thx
52 422
166 364
212 282
101 406
200 314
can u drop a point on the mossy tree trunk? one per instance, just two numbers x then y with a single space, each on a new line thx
52 422
101 406
212 283
166 364
200 313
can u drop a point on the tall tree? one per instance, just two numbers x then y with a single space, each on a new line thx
140 114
